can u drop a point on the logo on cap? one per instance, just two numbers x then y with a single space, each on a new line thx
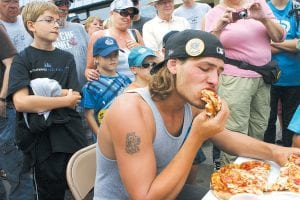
220 50
142 50
171 51
109 42
194 47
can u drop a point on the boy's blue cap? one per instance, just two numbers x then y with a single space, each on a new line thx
105 46
137 56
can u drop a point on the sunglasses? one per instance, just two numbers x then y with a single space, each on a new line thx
62 3
150 64
126 12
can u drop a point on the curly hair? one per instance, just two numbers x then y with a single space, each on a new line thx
162 84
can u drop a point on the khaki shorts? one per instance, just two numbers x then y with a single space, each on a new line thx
249 103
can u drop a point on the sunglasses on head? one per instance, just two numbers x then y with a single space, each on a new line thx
126 12
150 64
62 3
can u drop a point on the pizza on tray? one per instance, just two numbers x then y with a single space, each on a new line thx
289 178
247 177
252 177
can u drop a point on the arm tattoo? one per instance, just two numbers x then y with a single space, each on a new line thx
132 143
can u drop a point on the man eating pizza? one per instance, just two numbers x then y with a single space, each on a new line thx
145 130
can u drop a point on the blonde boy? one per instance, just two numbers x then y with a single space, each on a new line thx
47 151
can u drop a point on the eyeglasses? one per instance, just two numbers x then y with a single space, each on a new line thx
150 64
62 3
126 12
50 21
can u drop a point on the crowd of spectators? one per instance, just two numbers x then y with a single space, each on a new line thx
131 84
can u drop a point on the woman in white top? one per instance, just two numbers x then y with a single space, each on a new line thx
121 14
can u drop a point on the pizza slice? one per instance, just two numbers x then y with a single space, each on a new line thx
289 177
247 177
260 170
213 102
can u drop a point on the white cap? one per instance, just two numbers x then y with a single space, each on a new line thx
121 4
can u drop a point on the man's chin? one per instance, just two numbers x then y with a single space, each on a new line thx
199 105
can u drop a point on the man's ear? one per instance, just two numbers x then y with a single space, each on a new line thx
171 65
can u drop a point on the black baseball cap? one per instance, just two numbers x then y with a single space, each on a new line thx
191 43
166 37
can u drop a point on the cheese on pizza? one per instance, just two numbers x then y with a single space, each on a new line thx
252 177
289 178
248 177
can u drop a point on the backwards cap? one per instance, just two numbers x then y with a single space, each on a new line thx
191 43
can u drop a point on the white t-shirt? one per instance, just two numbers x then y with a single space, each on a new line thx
155 29
18 34
194 14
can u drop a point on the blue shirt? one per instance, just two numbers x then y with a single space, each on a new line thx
289 62
99 94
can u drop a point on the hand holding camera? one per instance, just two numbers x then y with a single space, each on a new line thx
255 11
239 14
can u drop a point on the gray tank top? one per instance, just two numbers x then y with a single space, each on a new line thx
108 184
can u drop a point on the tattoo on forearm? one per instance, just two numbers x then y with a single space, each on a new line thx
132 143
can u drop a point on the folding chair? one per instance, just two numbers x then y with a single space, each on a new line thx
81 172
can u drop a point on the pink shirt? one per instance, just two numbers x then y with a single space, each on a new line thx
246 40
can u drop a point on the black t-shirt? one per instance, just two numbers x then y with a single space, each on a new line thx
34 63
140 23
59 65
7 50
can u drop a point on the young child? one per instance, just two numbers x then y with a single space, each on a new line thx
51 149
141 60
99 94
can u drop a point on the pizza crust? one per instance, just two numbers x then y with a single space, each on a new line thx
222 195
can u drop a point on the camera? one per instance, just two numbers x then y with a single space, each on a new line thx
240 14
